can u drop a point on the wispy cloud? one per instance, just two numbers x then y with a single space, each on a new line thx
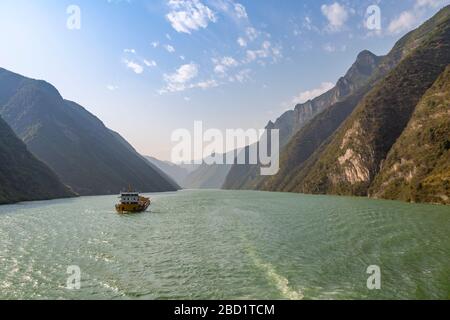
136 67
241 77
169 48
150 63
409 19
177 81
112 87
205 84
267 50
305 96
242 42
223 64
405 21
252 33
183 79
332 48
336 15
189 15
240 11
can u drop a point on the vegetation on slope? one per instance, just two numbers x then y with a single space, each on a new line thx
304 161
22 176
351 161
417 168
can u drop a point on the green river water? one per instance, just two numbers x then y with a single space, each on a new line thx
225 245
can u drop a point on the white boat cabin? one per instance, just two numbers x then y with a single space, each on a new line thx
129 198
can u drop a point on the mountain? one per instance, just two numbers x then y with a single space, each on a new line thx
349 161
308 140
22 176
417 168
303 148
177 173
207 177
81 150
248 176
292 121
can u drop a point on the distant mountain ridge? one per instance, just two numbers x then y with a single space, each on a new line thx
175 172
22 176
207 177
86 155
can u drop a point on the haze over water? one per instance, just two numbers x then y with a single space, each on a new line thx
225 245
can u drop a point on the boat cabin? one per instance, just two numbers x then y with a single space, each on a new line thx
129 198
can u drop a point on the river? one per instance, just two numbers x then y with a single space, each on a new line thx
225 245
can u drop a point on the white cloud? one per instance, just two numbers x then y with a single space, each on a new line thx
137 68
188 15
150 64
220 69
169 48
405 21
155 44
409 19
242 76
252 33
177 81
205 84
183 74
332 48
112 87
307 23
430 3
229 62
133 51
336 14
242 42
311 94
222 65
240 10
266 51
181 80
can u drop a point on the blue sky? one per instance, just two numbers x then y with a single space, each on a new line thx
149 67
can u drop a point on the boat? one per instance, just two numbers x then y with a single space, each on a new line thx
132 202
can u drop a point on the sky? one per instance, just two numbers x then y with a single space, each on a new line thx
149 67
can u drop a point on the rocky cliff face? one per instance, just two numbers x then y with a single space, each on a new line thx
351 161
417 168
247 176
292 121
